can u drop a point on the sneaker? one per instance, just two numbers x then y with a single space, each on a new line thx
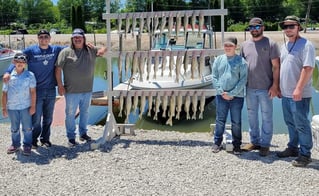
72 143
216 148
12 149
26 151
46 143
301 161
85 137
288 152
250 147
237 151
35 145
264 151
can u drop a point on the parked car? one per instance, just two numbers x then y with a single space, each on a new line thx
55 31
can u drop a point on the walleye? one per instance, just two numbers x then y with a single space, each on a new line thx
185 24
200 23
127 25
164 61
156 22
194 104
149 65
201 64
142 106
121 104
156 63
202 105
164 105
179 61
120 66
135 103
148 24
179 105
119 24
141 25
193 22
128 105
178 24
141 66
171 110
157 106
163 24
193 64
135 62
133 25
187 106
186 62
127 63
170 26
171 64
150 103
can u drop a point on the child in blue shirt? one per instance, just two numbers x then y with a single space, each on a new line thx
18 101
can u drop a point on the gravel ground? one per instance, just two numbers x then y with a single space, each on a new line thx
151 163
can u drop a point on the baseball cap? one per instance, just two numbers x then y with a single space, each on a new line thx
256 21
20 57
78 32
231 40
43 31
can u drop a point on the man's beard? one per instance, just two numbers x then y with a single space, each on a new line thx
256 34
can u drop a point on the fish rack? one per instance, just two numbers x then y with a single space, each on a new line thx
111 128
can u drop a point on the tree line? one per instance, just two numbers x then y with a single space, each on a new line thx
36 13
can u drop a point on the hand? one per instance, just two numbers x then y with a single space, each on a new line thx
32 110
227 97
297 95
61 90
4 112
90 45
6 77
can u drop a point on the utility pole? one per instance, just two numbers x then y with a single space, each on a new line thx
307 15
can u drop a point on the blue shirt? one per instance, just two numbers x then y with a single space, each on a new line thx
230 75
18 90
42 63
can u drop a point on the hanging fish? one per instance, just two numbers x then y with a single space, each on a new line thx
171 110
200 24
127 25
119 24
193 64
142 106
141 25
149 65
178 24
163 24
136 57
179 105
141 66
121 105
170 26
133 25
157 106
179 61
135 103
193 22
164 62
120 59
194 104
186 62
156 22
185 24
201 64
187 106
171 64
202 105
127 64
148 23
156 63
128 105
150 103
164 105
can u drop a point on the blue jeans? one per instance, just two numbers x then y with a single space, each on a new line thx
235 107
42 119
23 117
296 115
74 101
256 99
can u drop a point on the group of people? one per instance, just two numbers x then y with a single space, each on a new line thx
259 73
29 95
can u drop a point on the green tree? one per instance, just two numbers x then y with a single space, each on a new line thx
37 11
8 12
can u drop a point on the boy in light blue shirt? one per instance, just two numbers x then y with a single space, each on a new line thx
18 101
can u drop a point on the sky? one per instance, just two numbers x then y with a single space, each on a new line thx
54 1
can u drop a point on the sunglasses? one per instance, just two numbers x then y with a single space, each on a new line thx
291 26
20 58
43 37
257 27
228 45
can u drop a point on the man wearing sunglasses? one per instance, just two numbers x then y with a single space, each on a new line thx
262 56
41 61
297 64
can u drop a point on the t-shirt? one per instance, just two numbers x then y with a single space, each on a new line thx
78 69
295 56
258 55
18 90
